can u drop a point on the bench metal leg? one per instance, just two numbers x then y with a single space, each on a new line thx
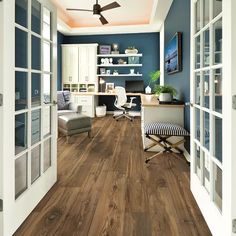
166 145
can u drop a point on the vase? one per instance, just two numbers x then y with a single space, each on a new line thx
131 51
148 89
165 97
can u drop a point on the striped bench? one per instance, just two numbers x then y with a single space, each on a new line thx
160 132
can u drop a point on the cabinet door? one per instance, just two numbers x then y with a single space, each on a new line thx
65 65
83 64
92 63
74 64
70 64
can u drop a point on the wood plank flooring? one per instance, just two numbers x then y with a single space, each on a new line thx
105 188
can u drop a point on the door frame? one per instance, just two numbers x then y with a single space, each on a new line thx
23 205
219 224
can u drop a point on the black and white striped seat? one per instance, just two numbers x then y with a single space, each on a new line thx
166 129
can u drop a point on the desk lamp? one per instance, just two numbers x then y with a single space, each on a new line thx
101 82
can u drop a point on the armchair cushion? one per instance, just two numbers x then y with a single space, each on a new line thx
61 103
66 95
75 107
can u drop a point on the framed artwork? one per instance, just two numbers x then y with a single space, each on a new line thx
105 49
110 87
173 54
102 71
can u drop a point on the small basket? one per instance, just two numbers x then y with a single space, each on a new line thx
101 111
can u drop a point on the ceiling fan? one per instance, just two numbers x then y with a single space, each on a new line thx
97 9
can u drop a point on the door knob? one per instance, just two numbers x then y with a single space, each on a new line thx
189 104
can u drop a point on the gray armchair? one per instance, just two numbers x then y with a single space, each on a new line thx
64 105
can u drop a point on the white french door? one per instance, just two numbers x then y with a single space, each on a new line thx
28 117
212 86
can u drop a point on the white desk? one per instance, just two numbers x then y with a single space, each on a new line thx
89 100
152 111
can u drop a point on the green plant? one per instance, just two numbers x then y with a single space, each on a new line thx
158 89
131 47
154 76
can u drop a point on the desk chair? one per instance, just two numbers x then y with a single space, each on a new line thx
121 103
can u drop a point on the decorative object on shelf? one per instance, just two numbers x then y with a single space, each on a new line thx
105 49
101 82
102 71
133 60
105 61
110 87
131 50
110 60
115 72
165 92
131 71
121 62
108 72
115 48
91 88
82 88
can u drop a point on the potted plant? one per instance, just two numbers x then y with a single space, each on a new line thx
131 50
165 92
154 76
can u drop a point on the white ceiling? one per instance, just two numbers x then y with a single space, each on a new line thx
132 16
131 12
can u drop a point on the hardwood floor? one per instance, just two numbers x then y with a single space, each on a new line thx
105 188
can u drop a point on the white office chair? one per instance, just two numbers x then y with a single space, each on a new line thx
121 103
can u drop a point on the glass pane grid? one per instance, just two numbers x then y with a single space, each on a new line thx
28 151
208 97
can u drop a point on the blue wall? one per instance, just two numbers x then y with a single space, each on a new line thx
178 20
60 40
146 43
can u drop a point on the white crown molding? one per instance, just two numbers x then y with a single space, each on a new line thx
157 18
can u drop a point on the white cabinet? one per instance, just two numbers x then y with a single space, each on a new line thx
79 67
87 63
88 103
70 62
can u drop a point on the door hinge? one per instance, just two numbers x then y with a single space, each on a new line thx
1 97
234 102
1 205
234 226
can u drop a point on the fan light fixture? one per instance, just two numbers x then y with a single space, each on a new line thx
96 15
97 10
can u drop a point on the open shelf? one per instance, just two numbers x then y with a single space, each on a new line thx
120 75
120 65
120 55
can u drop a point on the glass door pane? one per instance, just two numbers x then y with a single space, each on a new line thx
218 42
206 12
207 107
20 133
21 90
33 70
20 175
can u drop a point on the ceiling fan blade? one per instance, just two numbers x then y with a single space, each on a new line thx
110 6
103 20
74 9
